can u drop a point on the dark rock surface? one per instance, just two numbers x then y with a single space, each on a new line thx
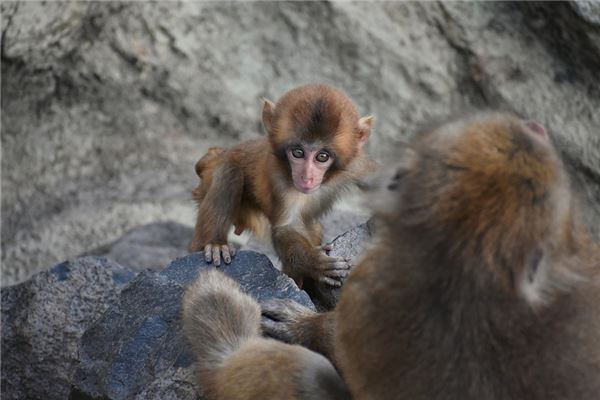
137 351
90 328
43 320
106 106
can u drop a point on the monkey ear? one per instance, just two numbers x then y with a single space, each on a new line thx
267 115
364 129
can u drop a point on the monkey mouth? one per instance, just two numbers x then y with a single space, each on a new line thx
306 189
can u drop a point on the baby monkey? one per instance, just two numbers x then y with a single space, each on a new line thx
483 283
312 152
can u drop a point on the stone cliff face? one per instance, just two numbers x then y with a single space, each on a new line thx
107 106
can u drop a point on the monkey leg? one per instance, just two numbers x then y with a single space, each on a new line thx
216 214
315 233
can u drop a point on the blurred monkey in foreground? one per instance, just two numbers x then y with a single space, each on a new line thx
483 283
234 362
312 152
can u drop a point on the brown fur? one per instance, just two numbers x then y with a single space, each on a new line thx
291 322
234 362
250 183
245 157
483 283
204 169
318 112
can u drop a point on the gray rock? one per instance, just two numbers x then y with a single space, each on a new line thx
43 320
137 350
589 10
348 245
351 243
132 346
151 246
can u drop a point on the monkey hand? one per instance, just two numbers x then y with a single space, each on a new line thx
326 248
280 317
213 253
329 270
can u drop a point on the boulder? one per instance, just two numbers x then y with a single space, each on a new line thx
92 329
43 320
137 349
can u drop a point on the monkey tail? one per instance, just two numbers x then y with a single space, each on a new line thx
218 318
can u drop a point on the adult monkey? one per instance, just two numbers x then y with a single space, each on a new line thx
312 152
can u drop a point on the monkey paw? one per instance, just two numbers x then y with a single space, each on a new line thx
331 270
279 317
214 252
326 248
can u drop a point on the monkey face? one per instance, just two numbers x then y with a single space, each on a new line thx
308 165
314 114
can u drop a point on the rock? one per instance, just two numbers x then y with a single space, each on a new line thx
348 245
137 351
43 320
151 246
588 10
77 331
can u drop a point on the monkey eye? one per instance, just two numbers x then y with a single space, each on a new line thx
297 153
322 157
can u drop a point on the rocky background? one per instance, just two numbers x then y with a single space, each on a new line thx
106 106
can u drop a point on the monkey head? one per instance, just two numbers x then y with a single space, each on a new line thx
315 132
486 194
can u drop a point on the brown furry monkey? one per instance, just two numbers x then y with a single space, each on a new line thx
483 283
234 362
312 152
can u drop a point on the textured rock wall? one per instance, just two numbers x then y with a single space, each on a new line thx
107 106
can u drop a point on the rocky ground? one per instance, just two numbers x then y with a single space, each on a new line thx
93 328
106 106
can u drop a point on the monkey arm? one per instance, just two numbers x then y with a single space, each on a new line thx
300 258
216 213
293 323
315 232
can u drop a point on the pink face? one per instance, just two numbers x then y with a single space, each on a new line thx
308 167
